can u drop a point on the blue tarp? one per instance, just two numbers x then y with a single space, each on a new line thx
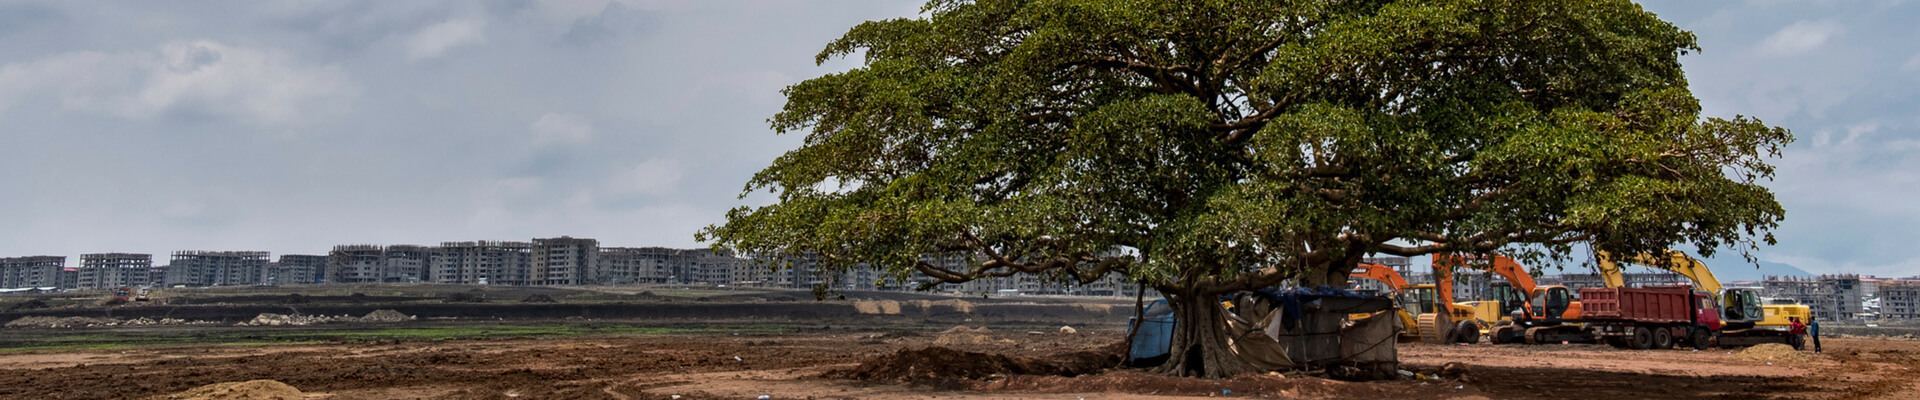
1153 340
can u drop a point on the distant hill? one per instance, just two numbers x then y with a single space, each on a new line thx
1742 271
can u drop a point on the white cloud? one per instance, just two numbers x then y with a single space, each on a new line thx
562 128
264 87
1800 37
435 40
651 177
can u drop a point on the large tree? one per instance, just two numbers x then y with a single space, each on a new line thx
1203 147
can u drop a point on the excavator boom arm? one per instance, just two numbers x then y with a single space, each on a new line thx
1501 265
1671 260
1383 274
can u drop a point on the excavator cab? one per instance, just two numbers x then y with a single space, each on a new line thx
1509 297
1419 299
1551 302
1741 305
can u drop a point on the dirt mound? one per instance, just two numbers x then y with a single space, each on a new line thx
249 390
887 307
940 364
944 365
1773 352
539 298
962 335
386 316
464 297
32 304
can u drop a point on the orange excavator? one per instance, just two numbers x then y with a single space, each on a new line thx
1520 308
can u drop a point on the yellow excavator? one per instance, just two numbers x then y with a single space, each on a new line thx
1748 321
1420 307
1520 310
1431 315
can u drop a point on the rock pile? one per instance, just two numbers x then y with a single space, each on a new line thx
386 316
60 322
83 322
271 319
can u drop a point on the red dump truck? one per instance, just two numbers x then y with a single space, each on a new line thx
1664 316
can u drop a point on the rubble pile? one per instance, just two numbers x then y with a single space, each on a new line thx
60 322
386 316
84 322
271 319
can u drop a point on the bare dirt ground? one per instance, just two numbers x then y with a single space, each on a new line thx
815 364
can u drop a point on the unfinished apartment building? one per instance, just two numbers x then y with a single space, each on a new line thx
483 263
632 265
299 269
565 260
217 268
1832 297
114 270
32 272
1900 299
362 263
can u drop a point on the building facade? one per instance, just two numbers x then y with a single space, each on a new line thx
566 261
1900 299
114 270
1832 297
217 268
633 265
31 272
483 263
300 269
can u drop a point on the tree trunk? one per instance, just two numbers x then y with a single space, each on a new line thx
1200 346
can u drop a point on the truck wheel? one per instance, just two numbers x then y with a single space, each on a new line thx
1467 332
1642 339
1662 338
1699 339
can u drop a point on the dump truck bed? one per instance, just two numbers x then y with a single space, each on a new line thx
1660 305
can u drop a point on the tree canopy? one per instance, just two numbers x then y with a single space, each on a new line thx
1208 146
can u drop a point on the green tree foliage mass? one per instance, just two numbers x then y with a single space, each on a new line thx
1208 146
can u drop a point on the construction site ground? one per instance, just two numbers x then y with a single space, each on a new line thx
744 344
803 364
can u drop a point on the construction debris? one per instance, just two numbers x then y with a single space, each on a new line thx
386 316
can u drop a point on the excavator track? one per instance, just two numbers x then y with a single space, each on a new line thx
1435 327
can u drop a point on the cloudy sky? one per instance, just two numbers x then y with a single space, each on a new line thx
291 126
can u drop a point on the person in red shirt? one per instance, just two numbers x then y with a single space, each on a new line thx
1795 327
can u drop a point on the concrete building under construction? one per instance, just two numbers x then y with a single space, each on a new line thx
31 272
361 263
114 270
299 269
566 260
632 265
217 268
1900 299
483 263
1835 297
